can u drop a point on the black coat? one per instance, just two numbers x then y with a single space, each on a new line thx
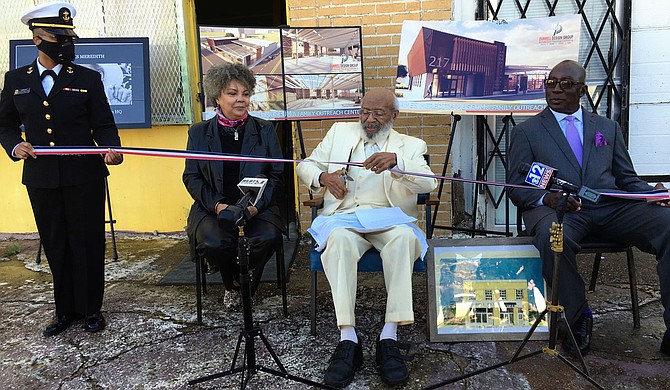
76 113
204 179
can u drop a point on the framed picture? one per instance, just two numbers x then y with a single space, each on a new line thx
485 289
123 64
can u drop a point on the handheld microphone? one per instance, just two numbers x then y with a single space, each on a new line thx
540 175
236 215
253 187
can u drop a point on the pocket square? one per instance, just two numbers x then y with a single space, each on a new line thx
600 139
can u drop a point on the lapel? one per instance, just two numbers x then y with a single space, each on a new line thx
250 139
554 130
393 143
214 145
67 74
32 77
589 135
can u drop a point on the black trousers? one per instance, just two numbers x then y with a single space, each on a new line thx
646 226
219 246
71 224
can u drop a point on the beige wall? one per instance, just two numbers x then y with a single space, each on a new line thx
381 23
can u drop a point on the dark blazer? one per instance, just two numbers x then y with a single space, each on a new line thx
76 113
204 179
540 139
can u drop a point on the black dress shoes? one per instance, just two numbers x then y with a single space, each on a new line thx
94 323
58 325
344 362
391 362
582 330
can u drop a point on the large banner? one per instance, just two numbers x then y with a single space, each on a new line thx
482 67
301 73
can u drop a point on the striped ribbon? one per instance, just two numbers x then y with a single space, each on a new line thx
649 196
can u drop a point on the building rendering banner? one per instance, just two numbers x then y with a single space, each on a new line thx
481 67
301 73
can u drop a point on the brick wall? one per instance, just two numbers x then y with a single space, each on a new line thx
381 24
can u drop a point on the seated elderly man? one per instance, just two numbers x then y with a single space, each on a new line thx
374 191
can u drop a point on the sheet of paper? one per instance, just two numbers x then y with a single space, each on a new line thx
381 218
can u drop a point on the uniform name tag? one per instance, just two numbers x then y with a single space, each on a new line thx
22 91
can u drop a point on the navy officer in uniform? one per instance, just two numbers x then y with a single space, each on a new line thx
59 103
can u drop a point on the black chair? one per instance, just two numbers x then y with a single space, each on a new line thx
595 246
201 280
371 261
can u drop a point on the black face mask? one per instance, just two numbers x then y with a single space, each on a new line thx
61 52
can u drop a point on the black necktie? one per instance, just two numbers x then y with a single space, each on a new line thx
48 72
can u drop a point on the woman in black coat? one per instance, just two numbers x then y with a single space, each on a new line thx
213 184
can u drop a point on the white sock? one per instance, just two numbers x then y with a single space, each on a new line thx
390 331
348 333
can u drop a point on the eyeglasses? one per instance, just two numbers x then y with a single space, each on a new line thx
564 84
375 113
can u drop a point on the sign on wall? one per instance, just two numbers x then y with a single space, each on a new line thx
480 67
123 64
301 73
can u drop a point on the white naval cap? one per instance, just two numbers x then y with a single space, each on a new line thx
54 17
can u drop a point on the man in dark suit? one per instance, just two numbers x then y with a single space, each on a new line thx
598 159
59 103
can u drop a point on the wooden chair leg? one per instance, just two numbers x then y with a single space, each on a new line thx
312 329
632 278
594 272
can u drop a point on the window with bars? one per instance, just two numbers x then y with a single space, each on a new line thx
603 52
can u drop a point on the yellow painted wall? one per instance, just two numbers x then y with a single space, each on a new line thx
147 193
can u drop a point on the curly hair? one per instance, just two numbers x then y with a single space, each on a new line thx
219 76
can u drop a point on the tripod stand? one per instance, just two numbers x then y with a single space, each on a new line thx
553 309
249 366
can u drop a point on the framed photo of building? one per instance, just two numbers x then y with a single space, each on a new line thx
485 289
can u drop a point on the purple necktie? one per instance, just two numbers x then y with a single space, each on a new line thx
572 134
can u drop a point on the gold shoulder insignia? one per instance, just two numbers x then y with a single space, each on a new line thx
30 70
69 70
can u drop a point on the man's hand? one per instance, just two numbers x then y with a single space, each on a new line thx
380 161
24 150
662 203
553 198
334 183
113 157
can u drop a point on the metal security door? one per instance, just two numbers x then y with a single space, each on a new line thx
604 52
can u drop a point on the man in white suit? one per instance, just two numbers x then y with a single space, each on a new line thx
373 189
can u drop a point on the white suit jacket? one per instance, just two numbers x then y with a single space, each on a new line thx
400 189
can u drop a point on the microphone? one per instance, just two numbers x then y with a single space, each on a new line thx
540 175
252 188
237 215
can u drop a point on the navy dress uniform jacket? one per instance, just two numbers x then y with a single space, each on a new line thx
76 113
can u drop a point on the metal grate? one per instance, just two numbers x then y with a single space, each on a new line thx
160 20
604 52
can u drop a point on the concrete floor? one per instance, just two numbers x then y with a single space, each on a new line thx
153 342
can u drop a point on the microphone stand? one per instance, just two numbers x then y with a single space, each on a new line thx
553 309
249 367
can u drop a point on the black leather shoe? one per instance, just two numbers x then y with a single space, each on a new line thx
58 325
344 362
94 323
582 331
665 344
391 362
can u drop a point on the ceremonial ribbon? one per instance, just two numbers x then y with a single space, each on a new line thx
650 196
